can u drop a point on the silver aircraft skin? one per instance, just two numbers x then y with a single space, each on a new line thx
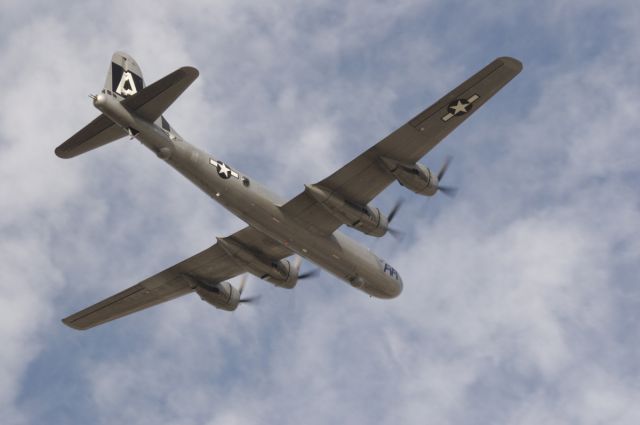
305 226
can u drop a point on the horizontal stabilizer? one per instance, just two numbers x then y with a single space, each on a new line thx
150 102
95 134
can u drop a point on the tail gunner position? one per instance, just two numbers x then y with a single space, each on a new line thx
305 226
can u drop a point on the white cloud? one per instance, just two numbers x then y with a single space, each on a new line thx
520 302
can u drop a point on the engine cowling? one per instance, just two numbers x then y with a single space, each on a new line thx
280 273
283 274
363 218
221 295
415 177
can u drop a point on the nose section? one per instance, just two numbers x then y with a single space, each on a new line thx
397 290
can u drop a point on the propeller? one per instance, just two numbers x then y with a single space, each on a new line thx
310 273
398 234
395 209
243 283
450 191
249 300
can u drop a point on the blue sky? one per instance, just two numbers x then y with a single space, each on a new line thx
521 294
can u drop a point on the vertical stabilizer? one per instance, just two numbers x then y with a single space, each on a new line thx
124 76
125 79
124 82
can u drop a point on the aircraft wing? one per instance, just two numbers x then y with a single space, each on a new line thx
364 178
211 265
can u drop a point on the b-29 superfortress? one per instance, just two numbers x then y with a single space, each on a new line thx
305 226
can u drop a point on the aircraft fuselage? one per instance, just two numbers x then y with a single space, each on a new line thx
258 207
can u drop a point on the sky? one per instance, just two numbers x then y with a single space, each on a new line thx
521 298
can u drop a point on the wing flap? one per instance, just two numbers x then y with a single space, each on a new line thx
259 242
304 209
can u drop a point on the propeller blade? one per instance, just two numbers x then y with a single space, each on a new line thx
310 273
243 282
444 167
397 234
450 191
250 300
395 209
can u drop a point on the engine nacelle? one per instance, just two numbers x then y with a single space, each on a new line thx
415 177
363 218
281 272
221 295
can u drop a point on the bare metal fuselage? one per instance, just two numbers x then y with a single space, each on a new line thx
258 207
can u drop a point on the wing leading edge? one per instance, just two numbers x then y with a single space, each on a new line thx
364 177
211 265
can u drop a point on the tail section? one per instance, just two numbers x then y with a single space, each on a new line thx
124 77
124 82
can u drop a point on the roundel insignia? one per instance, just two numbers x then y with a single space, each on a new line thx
223 170
459 107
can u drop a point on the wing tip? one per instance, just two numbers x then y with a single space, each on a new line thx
62 153
70 323
511 62
190 72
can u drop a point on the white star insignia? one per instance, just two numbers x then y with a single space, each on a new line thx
459 108
223 170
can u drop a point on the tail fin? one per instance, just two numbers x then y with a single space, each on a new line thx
124 77
125 81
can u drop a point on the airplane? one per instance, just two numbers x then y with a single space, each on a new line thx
305 226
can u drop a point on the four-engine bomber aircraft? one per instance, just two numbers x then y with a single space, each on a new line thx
306 225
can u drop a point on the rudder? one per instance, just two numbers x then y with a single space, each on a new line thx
124 76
